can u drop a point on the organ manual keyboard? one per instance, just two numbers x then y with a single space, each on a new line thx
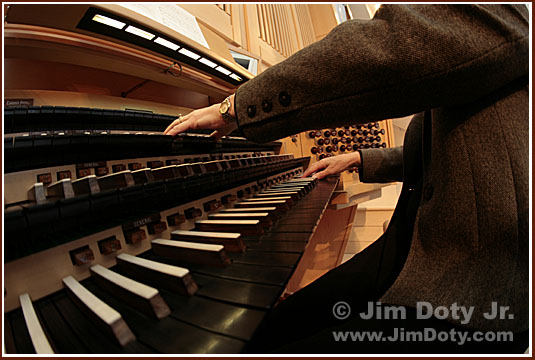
118 239
166 262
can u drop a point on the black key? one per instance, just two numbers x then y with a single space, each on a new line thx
226 319
298 228
62 335
287 237
84 328
299 219
238 292
251 273
276 246
22 339
169 335
265 258
9 341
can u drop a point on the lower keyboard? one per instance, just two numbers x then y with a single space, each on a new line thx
222 315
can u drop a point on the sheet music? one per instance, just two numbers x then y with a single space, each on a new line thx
172 16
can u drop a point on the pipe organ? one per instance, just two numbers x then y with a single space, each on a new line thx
118 239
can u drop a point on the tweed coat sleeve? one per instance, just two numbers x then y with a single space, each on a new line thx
381 165
407 59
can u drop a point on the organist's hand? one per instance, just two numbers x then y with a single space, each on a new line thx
205 118
333 165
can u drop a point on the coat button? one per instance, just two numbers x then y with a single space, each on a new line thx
267 106
428 192
284 98
251 111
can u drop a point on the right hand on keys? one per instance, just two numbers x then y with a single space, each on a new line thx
333 165
205 118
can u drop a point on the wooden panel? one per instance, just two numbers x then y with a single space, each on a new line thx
239 26
51 45
304 23
225 7
326 248
273 31
323 19
372 217
217 17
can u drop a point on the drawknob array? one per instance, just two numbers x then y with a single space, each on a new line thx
350 138
330 142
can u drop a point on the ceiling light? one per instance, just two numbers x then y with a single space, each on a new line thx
236 77
166 43
108 21
208 62
142 33
188 53
223 70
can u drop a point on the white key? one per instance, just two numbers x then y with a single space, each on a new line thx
37 335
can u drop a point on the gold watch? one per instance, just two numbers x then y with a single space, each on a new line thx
224 110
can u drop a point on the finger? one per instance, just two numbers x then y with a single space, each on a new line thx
320 175
181 127
313 168
173 124
225 130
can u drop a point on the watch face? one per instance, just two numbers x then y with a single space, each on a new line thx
224 107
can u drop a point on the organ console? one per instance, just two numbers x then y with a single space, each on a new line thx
118 239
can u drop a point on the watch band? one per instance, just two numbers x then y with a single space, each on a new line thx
226 114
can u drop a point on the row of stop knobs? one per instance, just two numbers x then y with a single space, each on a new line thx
348 140
345 147
344 133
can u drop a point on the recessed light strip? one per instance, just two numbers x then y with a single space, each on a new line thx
236 77
142 33
189 53
167 43
106 20
223 70
109 21
207 62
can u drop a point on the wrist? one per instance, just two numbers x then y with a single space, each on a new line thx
226 110
232 110
356 159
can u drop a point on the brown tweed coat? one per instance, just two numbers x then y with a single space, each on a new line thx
465 68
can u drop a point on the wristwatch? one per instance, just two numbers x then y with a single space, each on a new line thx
224 110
